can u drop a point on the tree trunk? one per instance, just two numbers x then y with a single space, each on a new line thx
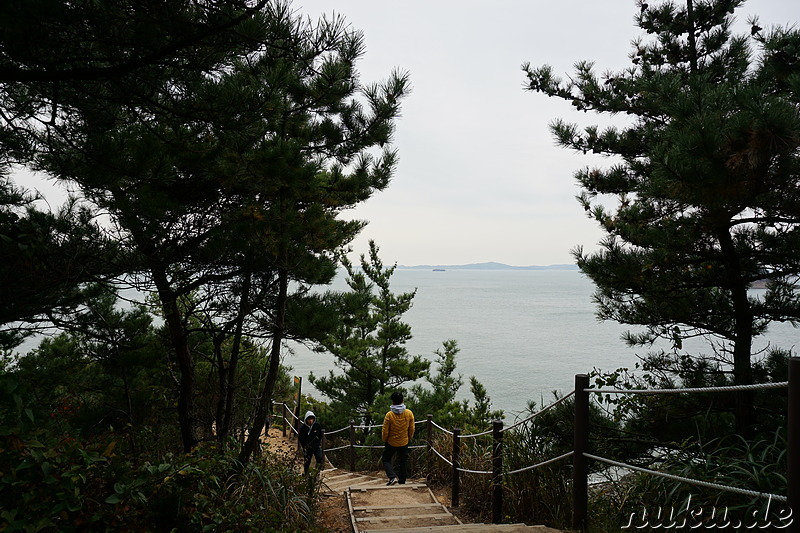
183 356
742 334
235 350
264 400
222 379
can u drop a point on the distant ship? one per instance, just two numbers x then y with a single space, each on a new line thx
438 270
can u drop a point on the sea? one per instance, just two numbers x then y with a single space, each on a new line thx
524 334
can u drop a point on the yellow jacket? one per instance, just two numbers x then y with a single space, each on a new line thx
398 428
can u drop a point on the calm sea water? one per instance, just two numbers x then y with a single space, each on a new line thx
523 334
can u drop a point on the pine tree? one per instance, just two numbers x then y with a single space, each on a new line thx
438 396
227 164
705 179
47 257
369 343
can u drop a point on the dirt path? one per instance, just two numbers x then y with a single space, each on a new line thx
332 507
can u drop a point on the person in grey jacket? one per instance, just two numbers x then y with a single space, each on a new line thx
310 437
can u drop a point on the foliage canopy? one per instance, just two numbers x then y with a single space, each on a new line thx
706 180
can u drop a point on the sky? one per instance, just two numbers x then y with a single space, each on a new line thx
479 176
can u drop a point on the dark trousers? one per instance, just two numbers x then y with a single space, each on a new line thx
316 451
402 460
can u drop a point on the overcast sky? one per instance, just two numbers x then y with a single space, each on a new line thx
480 178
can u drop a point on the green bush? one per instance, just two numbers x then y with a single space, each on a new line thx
755 465
52 480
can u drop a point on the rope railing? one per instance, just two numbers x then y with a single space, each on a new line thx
690 481
540 412
445 430
286 408
581 439
442 457
511 472
487 432
579 454
474 471
437 426
540 465
336 430
727 388
374 447
369 427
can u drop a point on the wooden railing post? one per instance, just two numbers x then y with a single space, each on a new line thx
497 472
793 444
580 483
430 443
324 445
352 447
283 416
297 422
456 465
430 431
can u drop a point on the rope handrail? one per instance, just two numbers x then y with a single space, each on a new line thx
584 389
474 471
369 427
487 432
543 463
691 481
442 457
376 447
286 407
441 428
519 470
542 410
727 388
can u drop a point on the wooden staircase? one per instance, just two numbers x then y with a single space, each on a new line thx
338 481
409 508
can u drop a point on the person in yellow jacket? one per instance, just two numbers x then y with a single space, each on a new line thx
398 428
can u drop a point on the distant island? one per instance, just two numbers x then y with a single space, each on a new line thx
487 266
